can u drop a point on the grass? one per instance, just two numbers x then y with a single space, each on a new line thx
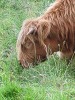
50 80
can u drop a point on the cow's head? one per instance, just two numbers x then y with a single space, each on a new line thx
33 42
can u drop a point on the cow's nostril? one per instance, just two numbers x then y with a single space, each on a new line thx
19 62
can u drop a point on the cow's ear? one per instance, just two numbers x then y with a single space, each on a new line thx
43 29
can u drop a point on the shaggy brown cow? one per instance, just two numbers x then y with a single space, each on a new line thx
53 31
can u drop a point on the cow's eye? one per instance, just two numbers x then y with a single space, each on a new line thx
28 44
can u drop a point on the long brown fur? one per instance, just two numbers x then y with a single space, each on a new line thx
54 30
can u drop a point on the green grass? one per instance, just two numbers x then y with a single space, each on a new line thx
50 80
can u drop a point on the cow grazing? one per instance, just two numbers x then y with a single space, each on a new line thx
51 32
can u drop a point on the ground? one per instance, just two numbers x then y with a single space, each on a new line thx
50 80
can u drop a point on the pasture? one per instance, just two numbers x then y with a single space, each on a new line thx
50 80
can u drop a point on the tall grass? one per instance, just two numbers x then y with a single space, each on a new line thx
50 80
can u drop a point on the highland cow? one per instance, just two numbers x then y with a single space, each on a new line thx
51 32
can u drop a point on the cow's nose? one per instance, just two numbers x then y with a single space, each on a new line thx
19 62
24 64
